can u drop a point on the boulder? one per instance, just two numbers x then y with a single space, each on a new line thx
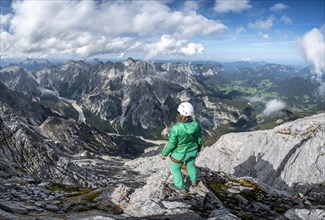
290 156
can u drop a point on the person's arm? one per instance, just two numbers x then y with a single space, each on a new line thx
199 138
172 142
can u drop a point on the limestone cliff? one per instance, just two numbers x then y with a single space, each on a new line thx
290 156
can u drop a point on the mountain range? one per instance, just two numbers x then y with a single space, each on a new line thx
140 96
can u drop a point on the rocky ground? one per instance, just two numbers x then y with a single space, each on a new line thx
218 196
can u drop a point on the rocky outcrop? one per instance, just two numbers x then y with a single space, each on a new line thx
290 156
35 141
18 79
218 196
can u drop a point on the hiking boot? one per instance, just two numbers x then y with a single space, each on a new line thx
173 187
195 183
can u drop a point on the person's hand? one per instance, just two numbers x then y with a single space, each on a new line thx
162 157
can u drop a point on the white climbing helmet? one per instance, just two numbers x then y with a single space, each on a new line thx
186 109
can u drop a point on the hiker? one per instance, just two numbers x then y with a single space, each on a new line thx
184 143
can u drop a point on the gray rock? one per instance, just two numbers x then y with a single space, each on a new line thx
258 206
40 203
43 195
276 156
241 199
13 207
6 215
151 208
24 197
305 214
52 207
59 194
120 194
175 205
44 184
51 197
56 202
222 214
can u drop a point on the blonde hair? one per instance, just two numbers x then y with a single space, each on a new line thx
183 118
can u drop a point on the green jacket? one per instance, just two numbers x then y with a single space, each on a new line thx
184 137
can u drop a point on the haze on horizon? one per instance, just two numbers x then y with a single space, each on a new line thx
287 32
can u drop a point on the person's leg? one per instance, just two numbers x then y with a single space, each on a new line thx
190 166
191 169
175 168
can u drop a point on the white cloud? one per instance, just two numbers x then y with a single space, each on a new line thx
4 21
190 6
224 6
192 49
264 36
121 55
285 19
273 106
246 59
262 24
170 45
312 46
240 30
278 7
86 28
166 45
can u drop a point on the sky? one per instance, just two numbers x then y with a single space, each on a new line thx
287 32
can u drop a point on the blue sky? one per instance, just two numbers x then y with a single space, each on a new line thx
288 32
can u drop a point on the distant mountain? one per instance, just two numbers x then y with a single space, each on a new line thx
231 67
273 72
92 61
34 64
130 97
309 72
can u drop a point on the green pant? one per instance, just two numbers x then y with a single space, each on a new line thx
189 159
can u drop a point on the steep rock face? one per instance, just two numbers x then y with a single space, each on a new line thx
16 78
35 141
290 156
75 137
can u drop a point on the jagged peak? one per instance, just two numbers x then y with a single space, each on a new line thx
129 61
